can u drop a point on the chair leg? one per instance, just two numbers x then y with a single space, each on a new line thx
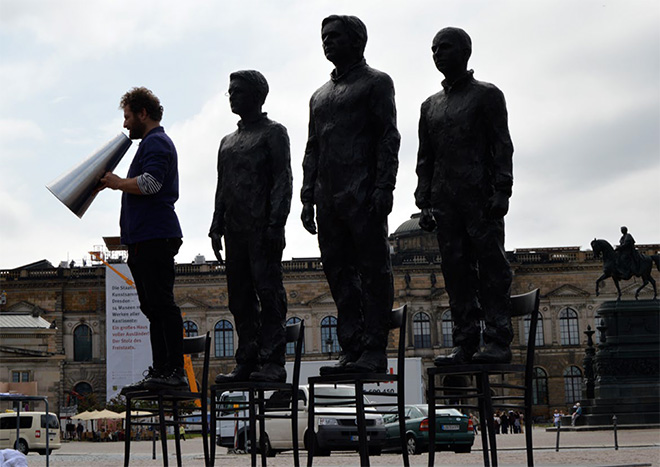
528 428
430 397
400 402
177 435
127 438
362 426
253 428
213 428
488 408
484 419
205 431
294 426
262 426
311 434
163 430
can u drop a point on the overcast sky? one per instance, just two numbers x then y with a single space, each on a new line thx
581 79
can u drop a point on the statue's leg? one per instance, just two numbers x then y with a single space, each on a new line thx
618 289
598 281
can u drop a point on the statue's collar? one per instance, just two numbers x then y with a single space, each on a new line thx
458 82
242 124
335 77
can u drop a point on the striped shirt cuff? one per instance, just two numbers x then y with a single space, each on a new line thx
148 185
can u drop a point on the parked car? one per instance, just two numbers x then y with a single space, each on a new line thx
32 432
454 431
334 432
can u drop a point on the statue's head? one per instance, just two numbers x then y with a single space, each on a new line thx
247 90
452 48
344 38
624 230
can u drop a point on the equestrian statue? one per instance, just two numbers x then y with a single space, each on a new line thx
625 262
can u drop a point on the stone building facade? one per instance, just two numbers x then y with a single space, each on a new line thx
74 299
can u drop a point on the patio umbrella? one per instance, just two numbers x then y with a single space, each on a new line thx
109 414
87 415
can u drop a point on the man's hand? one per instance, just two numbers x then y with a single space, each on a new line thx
498 205
307 218
216 245
381 203
427 221
275 241
109 180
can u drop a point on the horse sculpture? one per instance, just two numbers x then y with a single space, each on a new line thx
612 267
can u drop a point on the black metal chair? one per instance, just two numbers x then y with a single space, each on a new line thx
169 402
397 321
257 407
512 396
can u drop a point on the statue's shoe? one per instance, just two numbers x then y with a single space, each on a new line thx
493 353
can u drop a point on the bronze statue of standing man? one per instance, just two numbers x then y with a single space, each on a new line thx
350 167
464 170
252 203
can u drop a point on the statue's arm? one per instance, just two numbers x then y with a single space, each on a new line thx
425 164
388 141
280 166
217 229
310 168
500 141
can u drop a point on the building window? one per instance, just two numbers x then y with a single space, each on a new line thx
329 342
572 384
291 346
20 376
80 391
223 336
597 320
421 331
447 325
539 341
539 387
190 329
82 344
568 327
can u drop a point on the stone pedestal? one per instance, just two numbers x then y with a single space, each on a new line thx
626 366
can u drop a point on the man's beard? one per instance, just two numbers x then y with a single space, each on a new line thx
138 130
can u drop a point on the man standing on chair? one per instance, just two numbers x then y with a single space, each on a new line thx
252 203
150 229
464 170
350 167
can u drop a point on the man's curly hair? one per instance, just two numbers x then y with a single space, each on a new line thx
142 98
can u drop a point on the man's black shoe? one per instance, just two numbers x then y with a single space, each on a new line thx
339 367
148 374
493 353
458 356
371 361
175 379
270 372
240 374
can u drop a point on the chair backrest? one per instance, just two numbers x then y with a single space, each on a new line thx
523 305
398 320
200 344
296 333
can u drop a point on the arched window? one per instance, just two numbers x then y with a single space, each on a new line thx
447 325
539 387
80 391
223 336
539 340
329 342
597 320
291 346
190 328
568 327
82 343
572 384
421 331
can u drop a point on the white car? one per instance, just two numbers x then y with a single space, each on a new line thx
336 432
32 432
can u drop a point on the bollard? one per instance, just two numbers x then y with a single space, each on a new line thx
558 430
616 441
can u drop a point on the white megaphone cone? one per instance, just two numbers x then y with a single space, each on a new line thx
76 188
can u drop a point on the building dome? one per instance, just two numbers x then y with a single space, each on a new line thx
409 226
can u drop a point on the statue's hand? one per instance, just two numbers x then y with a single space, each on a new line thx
498 205
276 240
381 203
216 245
307 218
427 221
